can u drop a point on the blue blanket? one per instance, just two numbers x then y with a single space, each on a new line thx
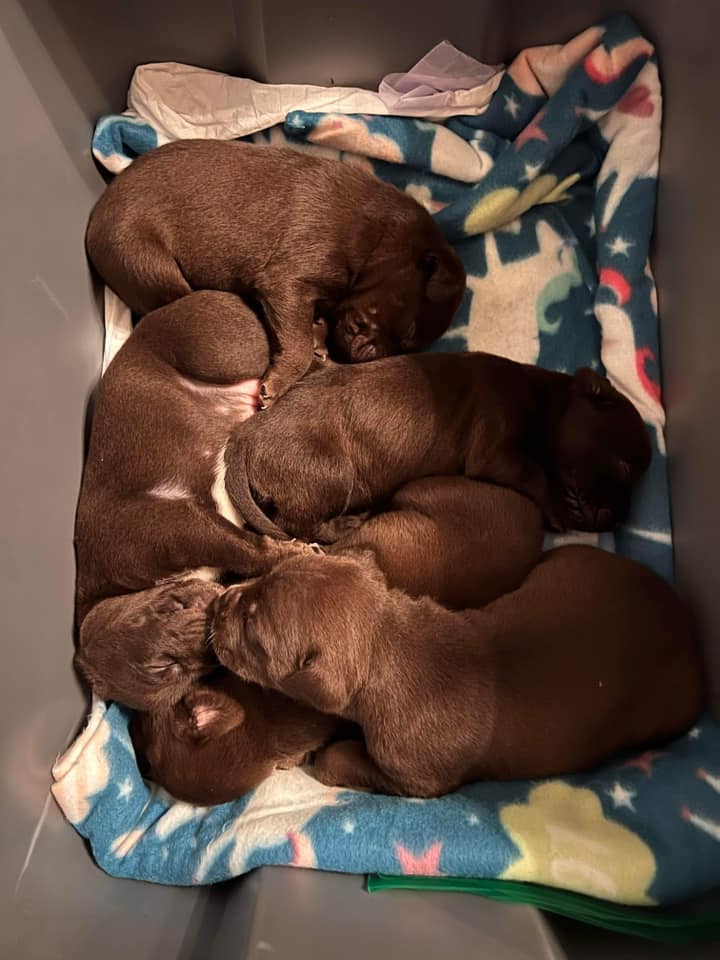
642 830
549 198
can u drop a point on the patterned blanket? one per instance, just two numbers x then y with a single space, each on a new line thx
548 195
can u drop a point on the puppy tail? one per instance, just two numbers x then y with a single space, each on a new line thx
238 486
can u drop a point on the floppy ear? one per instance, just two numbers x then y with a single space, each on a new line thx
444 276
315 688
210 716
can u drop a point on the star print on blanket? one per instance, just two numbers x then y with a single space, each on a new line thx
548 196
642 830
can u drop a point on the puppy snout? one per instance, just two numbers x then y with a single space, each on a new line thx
369 344
359 336
363 350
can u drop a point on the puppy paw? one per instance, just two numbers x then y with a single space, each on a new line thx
302 548
298 760
320 332
333 530
346 763
325 769
266 396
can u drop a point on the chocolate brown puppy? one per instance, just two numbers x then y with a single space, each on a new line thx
459 541
591 654
153 503
572 444
301 235
149 649
224 738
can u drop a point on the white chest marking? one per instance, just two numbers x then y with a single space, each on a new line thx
170 490
225 507
208 574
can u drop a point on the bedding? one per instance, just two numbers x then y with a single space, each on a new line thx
548 194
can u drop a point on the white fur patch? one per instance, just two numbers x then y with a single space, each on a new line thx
225 507
208 574
205 716
170 490
240 397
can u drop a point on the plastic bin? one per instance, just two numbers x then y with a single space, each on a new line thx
62 64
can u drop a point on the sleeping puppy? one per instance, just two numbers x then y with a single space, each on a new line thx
204 735
591 654
150 648
462 542
572 444
153 504
302 236
459 541
224 738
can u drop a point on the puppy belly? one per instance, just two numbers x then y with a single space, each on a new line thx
226 406
235 401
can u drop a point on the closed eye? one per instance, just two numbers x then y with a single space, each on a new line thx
307 660
162 666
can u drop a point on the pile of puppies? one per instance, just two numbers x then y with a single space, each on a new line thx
428 642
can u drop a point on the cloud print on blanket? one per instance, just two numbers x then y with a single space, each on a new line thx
548 196
642 830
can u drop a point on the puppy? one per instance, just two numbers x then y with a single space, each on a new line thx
149 649
591 654
454 539
301 235
224 738
459 541
153 504
572 444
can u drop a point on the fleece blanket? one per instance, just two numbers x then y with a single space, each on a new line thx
548 195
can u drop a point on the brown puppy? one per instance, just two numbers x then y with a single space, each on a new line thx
593 653
574 445
301 235
224 738
149 649
459 541
153 503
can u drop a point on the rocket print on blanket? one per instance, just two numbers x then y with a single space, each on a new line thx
549 198
709 826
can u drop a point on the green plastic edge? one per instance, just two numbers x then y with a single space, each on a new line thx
652 923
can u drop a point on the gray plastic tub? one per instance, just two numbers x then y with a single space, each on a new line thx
62 64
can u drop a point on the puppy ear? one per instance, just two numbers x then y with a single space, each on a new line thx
315 688
210 716
442 275
85 667
590 383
